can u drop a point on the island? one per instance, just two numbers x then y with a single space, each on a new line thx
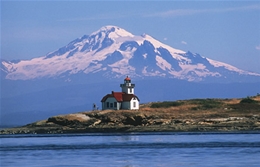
193 115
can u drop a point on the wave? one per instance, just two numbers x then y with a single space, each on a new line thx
133 146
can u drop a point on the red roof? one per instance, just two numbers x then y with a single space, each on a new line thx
119 96
127 78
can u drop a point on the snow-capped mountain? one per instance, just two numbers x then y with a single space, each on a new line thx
113 52
39 88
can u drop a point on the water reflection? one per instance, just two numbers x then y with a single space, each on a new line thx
127 138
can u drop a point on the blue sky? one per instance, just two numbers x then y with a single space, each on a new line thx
227 31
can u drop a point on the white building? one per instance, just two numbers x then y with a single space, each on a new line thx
122 100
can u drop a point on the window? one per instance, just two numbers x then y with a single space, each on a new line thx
107 104
111 105
130 90
134 104
115 104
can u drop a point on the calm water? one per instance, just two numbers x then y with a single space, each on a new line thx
132 150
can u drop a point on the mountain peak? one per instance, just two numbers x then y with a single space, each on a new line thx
113 32
109 27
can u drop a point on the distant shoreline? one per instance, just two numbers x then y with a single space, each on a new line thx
195 115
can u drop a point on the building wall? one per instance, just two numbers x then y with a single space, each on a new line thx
126 105
128 90
111 104
134 104
131 105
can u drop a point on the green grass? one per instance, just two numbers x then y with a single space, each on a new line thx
166 104
248 100
201 104
204 104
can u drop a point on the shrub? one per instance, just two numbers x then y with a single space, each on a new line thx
166 104
203 104
248 100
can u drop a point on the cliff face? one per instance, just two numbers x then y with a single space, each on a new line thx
189 115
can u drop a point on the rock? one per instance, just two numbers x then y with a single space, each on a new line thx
135 121
96 123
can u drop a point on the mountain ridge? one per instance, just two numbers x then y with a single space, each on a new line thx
114 52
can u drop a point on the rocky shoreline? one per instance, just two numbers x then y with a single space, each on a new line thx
189 116
136 123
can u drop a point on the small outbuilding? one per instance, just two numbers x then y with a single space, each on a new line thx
122 100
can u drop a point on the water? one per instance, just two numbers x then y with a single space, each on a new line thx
132 150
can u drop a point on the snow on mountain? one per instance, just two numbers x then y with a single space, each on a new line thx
113 52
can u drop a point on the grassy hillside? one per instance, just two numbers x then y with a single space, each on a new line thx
182 115
206 107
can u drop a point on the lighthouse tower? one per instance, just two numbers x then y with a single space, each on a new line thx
127 87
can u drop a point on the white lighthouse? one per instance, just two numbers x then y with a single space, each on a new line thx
127 87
